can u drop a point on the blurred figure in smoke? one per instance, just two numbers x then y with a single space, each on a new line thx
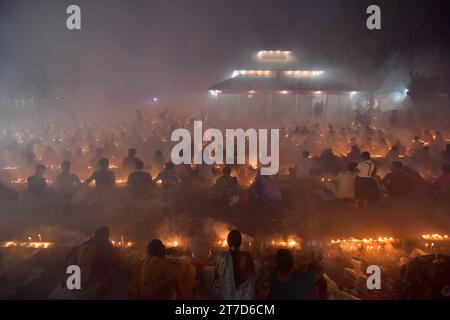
105 179
364 183
139 182
328 163
130 161
37 184
343 186
159 277
168 178
265 189
318 108
139 118
226 186
236 273
303 166
403 180
99 261
396 181
67 183
287 283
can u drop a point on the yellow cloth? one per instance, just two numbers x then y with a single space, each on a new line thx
85 255
153 273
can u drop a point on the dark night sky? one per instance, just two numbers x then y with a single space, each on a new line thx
145 47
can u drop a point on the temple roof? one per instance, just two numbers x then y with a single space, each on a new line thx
280 83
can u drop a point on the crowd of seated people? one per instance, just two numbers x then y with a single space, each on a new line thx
89 151
358 182
157 275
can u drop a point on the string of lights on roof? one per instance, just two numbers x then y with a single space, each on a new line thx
254 73
271 73
274 54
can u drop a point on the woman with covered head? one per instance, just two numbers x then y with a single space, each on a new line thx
159 277
236 273
100 263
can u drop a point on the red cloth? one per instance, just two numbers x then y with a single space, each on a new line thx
246 268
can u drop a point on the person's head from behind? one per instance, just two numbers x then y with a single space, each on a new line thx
156 248
396 166
139 165
226 171
40 169
365 156
352 166
234 240
65 166
416 138
158 154
101 235
285 261
305 154
132 152
104 163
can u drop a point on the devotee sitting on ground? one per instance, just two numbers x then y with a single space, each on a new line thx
236 274
67 183
265 189
159 277
37 184
403 180
303 166
396 150
396 181
104 178
287 283
168 178
139 182
343 186
327 163
129 162
225 187
365 183
99 261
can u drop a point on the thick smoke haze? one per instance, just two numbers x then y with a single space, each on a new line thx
131 51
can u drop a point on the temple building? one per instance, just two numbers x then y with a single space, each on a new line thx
277 89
